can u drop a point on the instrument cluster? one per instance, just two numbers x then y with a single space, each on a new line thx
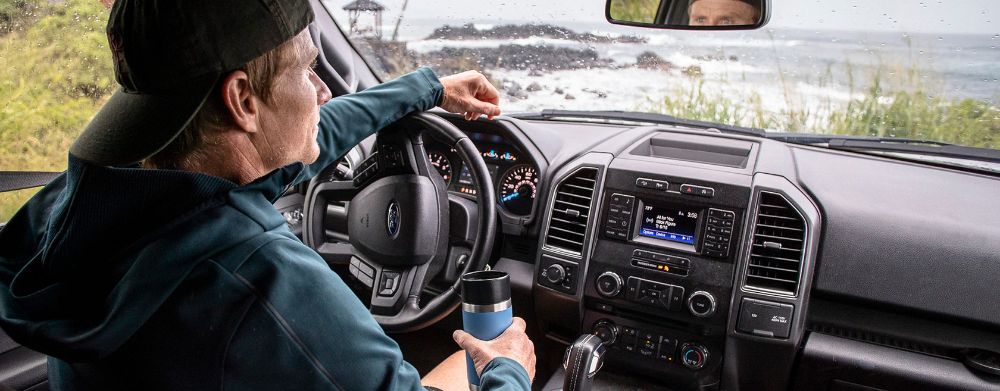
514 176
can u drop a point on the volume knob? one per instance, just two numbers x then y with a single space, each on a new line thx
609 284
701 304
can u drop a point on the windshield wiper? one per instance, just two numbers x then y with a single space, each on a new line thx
652 118
889 144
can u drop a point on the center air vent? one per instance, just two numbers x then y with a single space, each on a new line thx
777 246
568 225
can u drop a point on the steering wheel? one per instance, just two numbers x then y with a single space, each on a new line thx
399 221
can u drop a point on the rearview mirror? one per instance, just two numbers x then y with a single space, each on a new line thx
690 14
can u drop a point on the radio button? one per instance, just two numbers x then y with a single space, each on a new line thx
714 238
714 253
722 214
654 184
676 298
667 348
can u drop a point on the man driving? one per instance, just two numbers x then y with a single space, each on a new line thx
157 260
723 13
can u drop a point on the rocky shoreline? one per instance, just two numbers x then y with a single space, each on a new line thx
394 58
518 31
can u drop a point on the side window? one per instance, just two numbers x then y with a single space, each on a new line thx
55 73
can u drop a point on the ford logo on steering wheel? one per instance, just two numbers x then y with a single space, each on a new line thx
392 219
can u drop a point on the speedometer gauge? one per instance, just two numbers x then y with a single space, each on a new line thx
441 164
517 189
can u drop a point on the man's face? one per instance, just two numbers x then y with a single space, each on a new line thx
289 119
721 13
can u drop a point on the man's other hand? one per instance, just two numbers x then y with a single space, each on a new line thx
513 344
469 93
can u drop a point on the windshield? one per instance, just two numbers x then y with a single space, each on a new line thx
922 70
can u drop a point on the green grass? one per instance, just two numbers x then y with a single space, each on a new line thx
55 73
639 11
910 111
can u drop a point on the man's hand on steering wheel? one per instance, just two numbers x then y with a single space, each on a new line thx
471 94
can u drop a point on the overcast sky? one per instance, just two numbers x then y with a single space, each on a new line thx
912 16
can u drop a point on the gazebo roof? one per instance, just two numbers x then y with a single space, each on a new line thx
363 5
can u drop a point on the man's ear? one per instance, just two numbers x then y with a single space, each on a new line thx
238 99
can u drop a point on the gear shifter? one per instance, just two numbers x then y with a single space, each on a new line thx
582 361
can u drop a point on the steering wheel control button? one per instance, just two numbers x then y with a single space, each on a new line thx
701 304
700 191
366 170
361 271
694 356
555 273
389 284
765 318
609 284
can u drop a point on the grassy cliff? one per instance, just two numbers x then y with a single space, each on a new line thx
55 72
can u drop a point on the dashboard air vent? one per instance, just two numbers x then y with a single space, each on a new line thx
777 246
568 224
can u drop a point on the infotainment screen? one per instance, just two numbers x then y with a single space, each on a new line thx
675 225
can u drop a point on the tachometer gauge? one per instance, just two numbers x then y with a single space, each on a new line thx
517 189
441 164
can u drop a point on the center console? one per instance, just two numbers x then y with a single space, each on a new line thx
660 277
654 276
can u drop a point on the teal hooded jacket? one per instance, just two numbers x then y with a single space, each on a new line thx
142 279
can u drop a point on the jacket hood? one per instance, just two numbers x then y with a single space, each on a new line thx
96 252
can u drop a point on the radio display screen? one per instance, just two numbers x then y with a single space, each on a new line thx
675 225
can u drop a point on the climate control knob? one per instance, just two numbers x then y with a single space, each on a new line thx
701 304
694 356
609 284
555 273
606 330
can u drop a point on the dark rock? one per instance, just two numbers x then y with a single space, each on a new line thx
513 89
650 60
599 93
536 73
559 91
534 87
570 97
516 57
515 31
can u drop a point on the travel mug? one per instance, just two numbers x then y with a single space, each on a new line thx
486 310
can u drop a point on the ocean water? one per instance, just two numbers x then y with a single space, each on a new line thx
773 69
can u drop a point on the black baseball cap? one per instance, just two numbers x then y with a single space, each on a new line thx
169 56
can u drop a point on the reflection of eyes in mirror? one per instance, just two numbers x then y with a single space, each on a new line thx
723 12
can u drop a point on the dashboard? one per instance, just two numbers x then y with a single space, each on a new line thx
707 260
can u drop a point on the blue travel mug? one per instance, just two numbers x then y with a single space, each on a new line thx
486 311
